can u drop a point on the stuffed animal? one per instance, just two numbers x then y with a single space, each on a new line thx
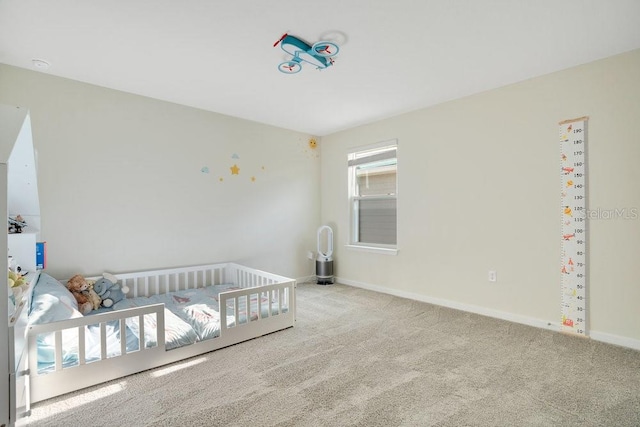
79 287
18 285
109 290
95 299
16 279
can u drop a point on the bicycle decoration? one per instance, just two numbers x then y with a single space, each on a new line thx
319 54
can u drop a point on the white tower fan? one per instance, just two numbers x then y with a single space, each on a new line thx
324 260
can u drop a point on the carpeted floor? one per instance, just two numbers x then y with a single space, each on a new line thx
362 358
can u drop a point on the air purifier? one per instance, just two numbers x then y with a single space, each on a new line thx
324 258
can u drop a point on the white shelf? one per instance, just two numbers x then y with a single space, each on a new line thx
22 247
18 196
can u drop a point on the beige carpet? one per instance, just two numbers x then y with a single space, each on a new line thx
361 358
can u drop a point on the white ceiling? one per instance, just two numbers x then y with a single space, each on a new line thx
396 55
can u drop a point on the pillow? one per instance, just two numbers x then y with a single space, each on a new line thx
52 302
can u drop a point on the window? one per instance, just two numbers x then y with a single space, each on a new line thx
373 196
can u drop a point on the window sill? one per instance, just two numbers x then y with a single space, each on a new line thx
373 249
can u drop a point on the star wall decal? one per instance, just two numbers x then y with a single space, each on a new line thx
235 170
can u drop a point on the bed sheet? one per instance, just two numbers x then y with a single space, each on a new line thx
177 333
70 340
200 308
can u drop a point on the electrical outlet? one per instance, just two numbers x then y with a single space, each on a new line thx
493 276
310 255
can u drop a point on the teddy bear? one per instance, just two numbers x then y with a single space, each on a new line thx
109 290
94 298
80 289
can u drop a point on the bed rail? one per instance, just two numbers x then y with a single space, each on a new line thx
170 280
246 277
279 301
73 377
176 279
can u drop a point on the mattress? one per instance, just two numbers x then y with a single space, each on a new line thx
200 309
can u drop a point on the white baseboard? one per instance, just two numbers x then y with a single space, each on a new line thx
511 317
615 340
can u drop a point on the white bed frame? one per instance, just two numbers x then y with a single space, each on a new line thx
280 291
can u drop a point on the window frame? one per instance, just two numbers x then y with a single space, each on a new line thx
353 199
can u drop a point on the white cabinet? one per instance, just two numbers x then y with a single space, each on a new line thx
18 195
22 196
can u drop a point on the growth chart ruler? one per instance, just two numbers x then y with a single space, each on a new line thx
573 140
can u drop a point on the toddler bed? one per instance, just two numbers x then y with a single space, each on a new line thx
168 315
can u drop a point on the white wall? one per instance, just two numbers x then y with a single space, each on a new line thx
479 189
122 187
